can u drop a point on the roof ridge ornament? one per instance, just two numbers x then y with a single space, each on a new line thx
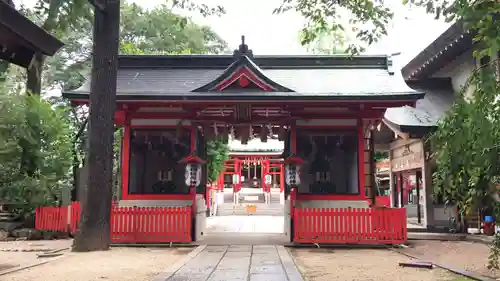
243 49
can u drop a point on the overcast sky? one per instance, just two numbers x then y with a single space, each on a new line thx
267 34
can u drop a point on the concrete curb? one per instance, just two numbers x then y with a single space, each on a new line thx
337 246
415 236
289 265
156 245
180 263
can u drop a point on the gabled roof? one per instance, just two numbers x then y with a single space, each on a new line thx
419 120
20 38
208 77
244 72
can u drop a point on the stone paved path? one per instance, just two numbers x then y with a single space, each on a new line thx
237 263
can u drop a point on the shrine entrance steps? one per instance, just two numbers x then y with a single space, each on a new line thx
251 201
236 263
250 209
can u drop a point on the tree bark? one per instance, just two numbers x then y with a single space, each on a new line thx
94 232
34 75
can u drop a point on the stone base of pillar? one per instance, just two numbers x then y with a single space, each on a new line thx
287 217
200 218
220 197
267 197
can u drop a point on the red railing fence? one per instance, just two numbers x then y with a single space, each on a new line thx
51 218
148 225
128 225
75 212
350 225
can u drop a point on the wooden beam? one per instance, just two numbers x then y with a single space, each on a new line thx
402 135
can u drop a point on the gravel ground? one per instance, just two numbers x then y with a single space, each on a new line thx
118 264
361 265
457 254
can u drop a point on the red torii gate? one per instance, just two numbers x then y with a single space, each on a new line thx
269 166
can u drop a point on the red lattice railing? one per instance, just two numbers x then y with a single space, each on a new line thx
51 218
350 225
128 225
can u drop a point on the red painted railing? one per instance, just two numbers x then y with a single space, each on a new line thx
147 225
51 218
76 212
128 225
350 226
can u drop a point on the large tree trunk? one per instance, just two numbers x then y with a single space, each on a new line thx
34 75
94 233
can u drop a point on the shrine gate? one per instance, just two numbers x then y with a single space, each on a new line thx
322 107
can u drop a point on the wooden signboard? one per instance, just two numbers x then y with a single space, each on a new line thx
407 157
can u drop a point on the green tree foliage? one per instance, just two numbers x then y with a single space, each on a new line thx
331 43
155 31
367 20
27 122
217 153
380 156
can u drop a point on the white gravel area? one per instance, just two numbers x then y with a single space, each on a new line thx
361 265
118 264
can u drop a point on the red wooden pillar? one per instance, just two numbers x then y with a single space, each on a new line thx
125 158
282 178
220 182
266 167
236 172
361 159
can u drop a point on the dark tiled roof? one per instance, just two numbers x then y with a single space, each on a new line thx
438 99
449 45
23 37
242 61
328 77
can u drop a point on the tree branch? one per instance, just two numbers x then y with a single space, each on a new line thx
98 5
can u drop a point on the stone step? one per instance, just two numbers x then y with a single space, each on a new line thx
238 212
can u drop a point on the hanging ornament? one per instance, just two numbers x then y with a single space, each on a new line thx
208 131
281 133
232 132
225 134
264 132
245 134
216 131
